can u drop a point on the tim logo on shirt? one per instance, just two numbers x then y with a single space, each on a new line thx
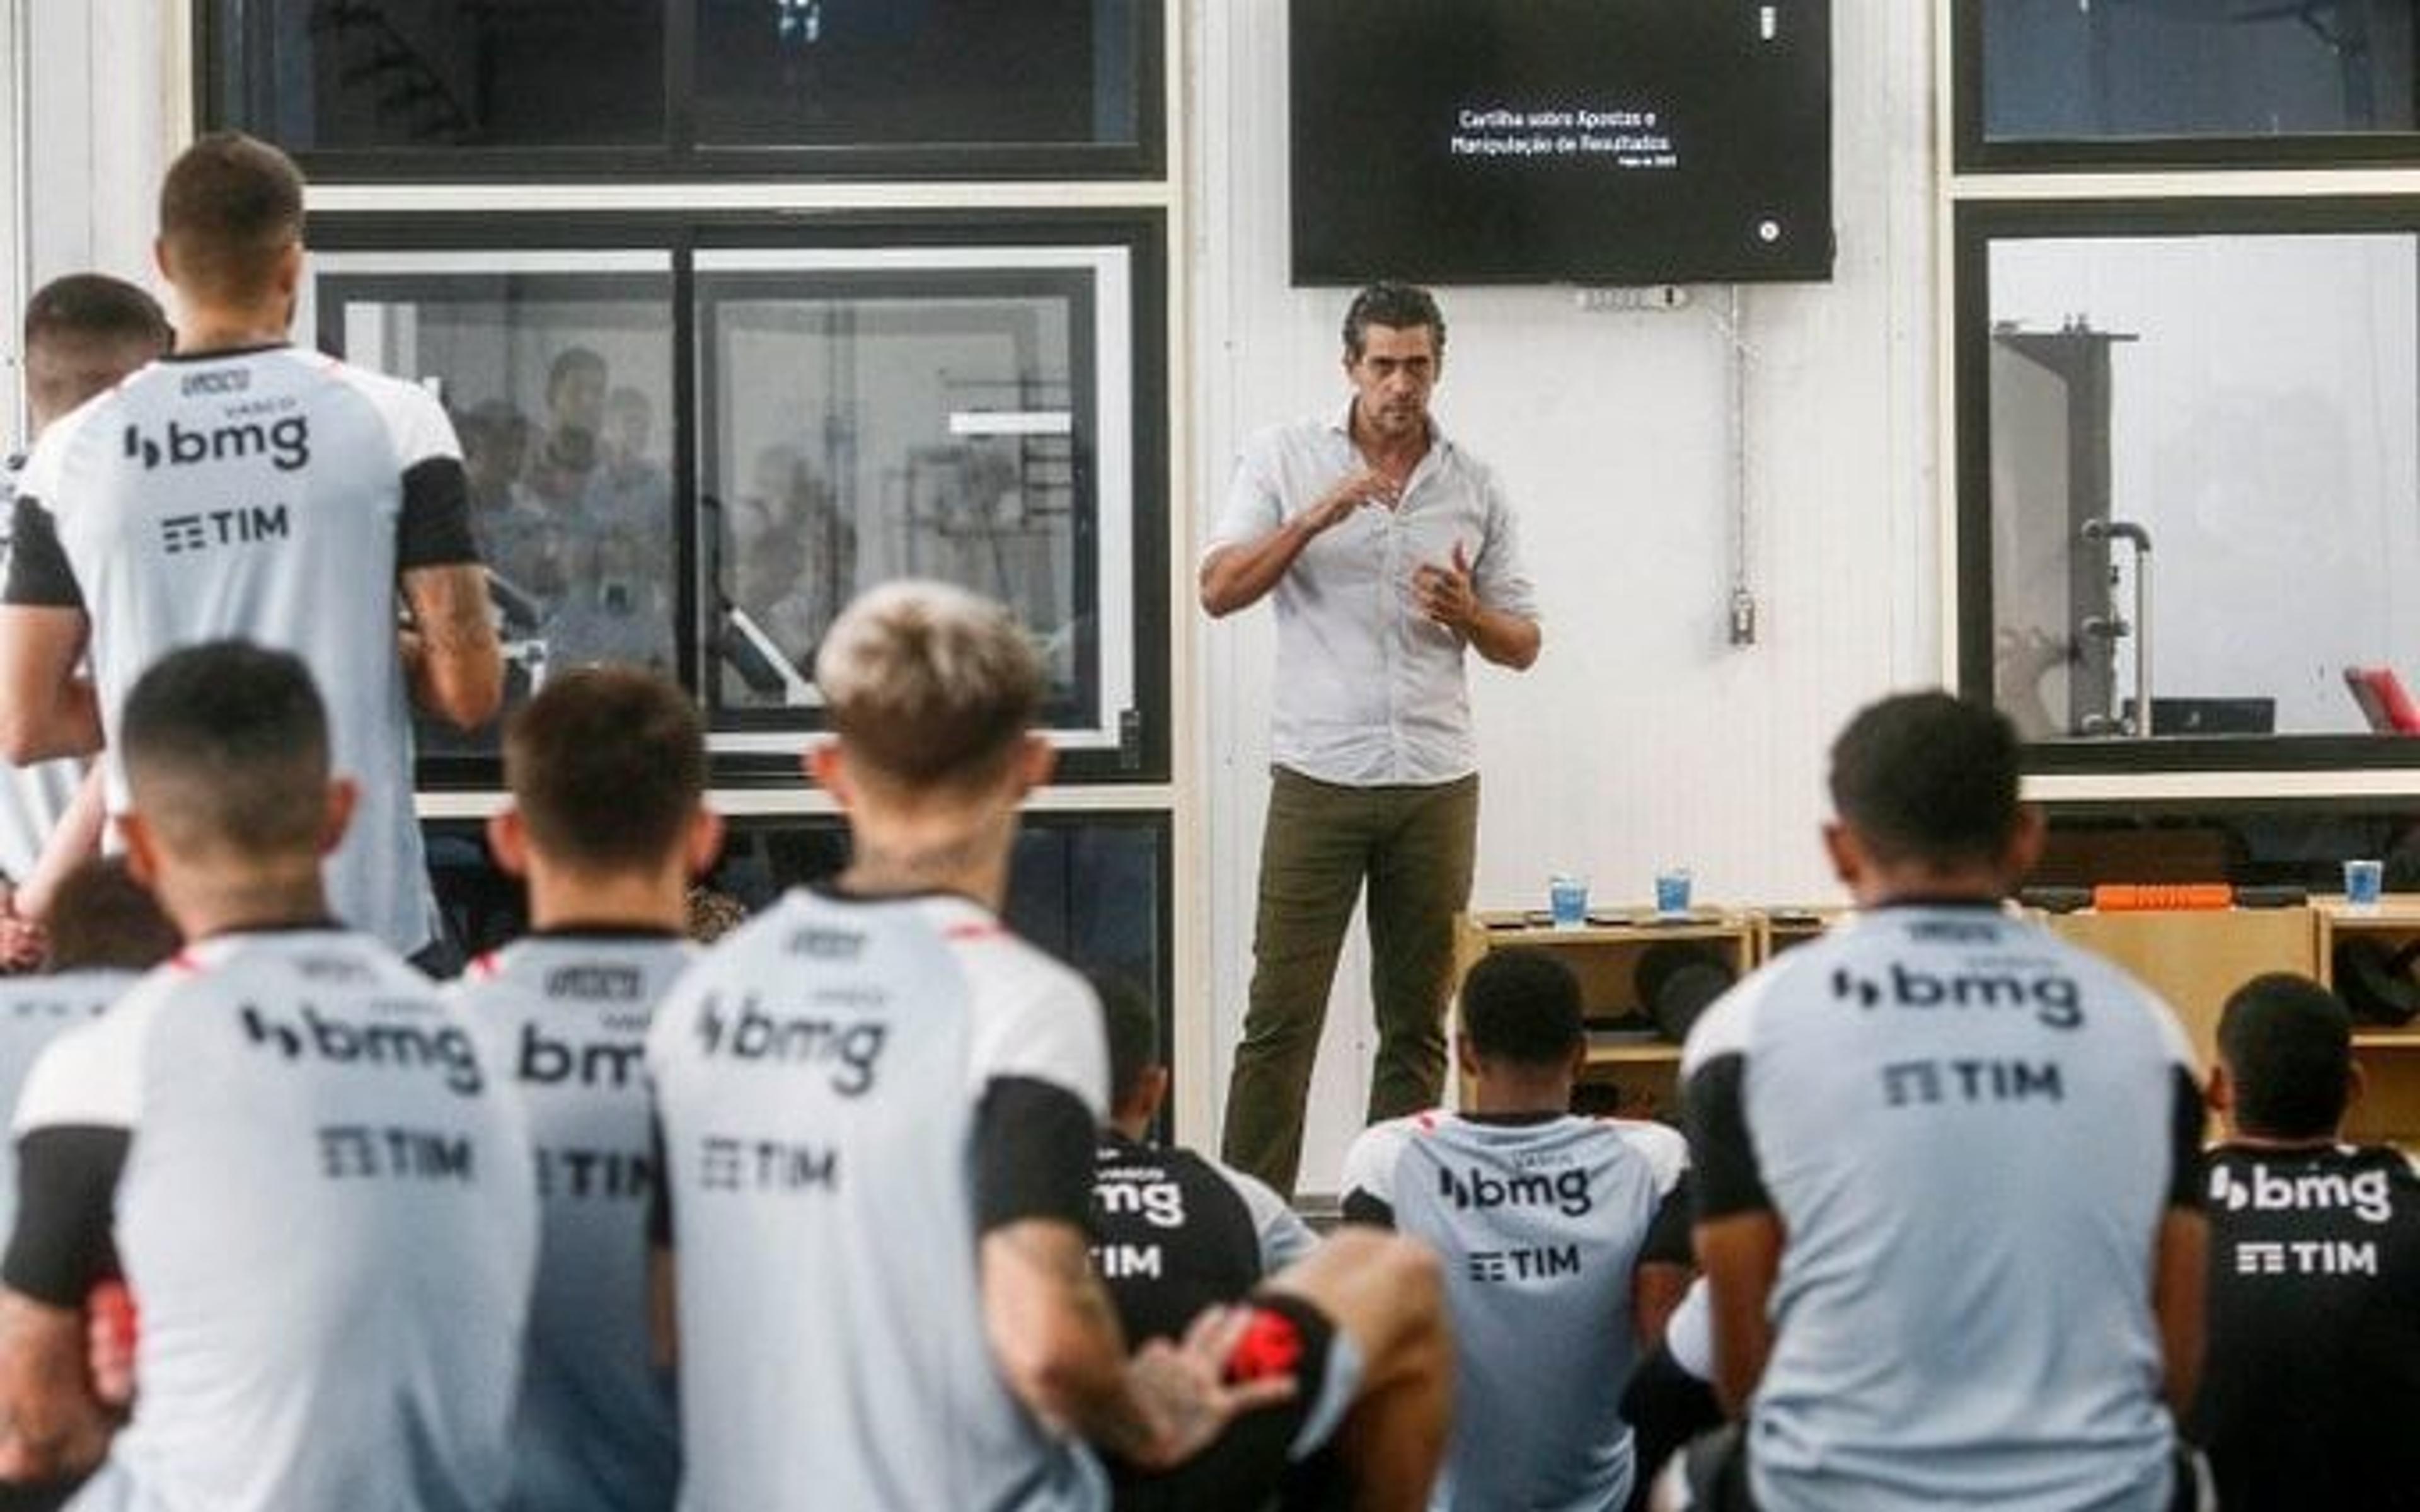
285 444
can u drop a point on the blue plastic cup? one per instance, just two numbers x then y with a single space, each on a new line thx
1672 890
2363 881
1567 901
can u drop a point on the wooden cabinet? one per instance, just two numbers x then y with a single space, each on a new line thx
2390 1056
2196 958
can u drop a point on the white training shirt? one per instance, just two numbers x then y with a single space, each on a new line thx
35 1010
566 1016
272 494
321 1197
819 1076
33 799
1541 1225
1969 1132
1373 692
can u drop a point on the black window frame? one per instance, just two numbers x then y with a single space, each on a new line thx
1973 151
681 157
1145 755
1979 224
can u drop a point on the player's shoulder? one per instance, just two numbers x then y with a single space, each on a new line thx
1383 1143
67 441
1660 1144
1731 1023
93 1072
1002 968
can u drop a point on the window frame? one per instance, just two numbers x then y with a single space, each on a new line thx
680 156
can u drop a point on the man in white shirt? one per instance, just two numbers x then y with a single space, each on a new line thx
879 1110
317 1189
1389 551
245 487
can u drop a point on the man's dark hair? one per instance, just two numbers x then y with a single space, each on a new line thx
2286 1043
1399 307
1132 1026
607 765
102 919
83 333
1928 776
929 685
1520 1007
229 206
225 749
570 361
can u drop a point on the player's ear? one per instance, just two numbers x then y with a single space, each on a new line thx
1036 761
2025 843
508 842
142 849
830 769
1465 1057
705 842
343 795
2219 1092
1848 856
2356 1084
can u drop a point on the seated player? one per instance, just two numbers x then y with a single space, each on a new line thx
318 1191
1948 1167
1565 1243
1670 1397
1175 1234
879 1110
607 768
2313 1370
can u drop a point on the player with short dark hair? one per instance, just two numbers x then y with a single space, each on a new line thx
1175 1233
84 332
103 920
1564 1237
1949 1197
313 1182
243 487
2312 1367
879 1110
607 823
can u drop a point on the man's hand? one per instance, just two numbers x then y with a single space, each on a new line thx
1445 595
1183 1391
1335 506
110 1327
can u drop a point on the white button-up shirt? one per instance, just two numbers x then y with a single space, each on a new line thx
1370 693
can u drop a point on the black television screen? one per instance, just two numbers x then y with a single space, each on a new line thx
1552 141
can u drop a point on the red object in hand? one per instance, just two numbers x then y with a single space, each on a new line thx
113 1325
1271 1346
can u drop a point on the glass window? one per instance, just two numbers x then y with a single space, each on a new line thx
2202 463
434 76
908 74
958 413
2065 70
557 368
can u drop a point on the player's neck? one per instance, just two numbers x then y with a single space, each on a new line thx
231 903
202 332
2244 1139
1496 1094
967 855
561 899
1394 455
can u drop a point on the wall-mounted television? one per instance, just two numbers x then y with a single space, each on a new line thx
1561 141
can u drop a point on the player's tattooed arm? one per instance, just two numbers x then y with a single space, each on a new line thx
52 1425
452 661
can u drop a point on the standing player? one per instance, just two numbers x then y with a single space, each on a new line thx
1175 1234
84 333
878 1109
2313 1374
1565 1241
1950 1201
243 487
606 767
315 1186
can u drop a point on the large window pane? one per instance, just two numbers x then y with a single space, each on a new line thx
2117 69
959 414
2203 468
908 74
557 369
430 75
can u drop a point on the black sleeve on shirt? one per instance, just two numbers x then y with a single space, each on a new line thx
39 574
1720 1149
659 1201
2188 1188
1361 1208
67 1190
1667 1234
1034 1145
434 529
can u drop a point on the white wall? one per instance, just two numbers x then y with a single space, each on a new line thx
1641 737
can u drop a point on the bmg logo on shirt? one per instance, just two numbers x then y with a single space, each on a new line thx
1567 1190
285 443
404 1046
2366 1193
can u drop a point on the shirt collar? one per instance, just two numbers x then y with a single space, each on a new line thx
1341 424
